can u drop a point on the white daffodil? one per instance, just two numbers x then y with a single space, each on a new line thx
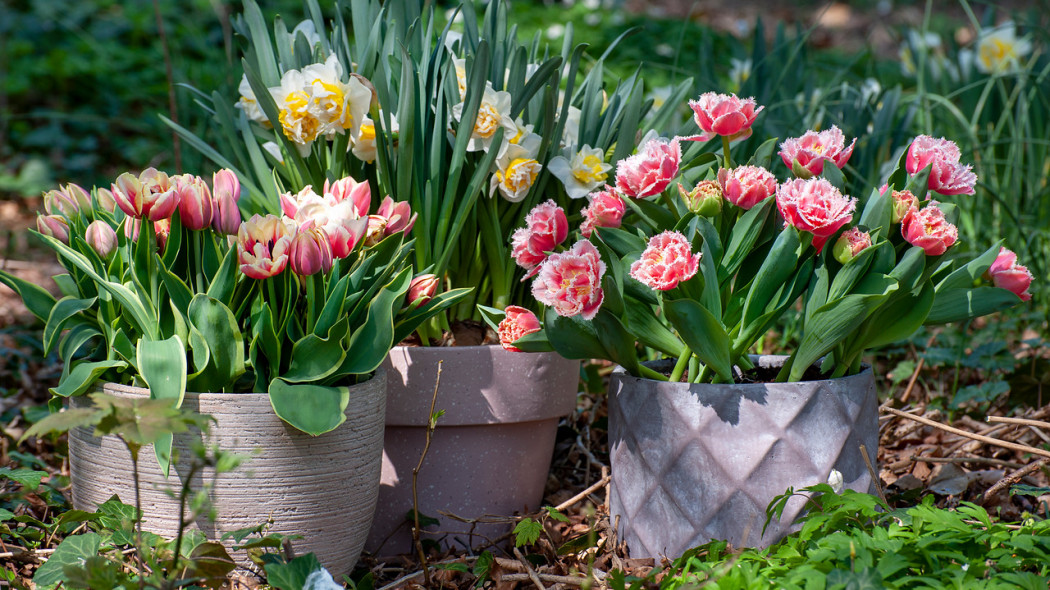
299 123
583 173
999 51
338 106
493 113
307 29
461 75
524 137
274 150
659 95
249 104
365 143
571 132
515 173
739 71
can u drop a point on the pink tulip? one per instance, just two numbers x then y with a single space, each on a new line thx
226 191
422 289
649 171
605 210
345 235
571 282
747 186
149 196
290 204
358 193
811 150
1005 273
224 183
397 216
947 175
665 262
375 230
105 199
310 252
928 229
195 201
517 322
545 227
814 206
67 201
723 114
851 242
903 201
704 199
54 226
101 237
263 245
162 231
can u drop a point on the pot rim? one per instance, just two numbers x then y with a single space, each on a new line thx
866 372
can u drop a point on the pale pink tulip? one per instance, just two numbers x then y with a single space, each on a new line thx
398 215
101 237
67 201
1005 273
375 230
928 229
903 201
571 282
649 171
666 261
517 322
723 114
814 148
358 193
105 199
310 252
422 289
851 242
54 226
148 196
195 201
263 245
947 175
814 205
606 209
162 231
545 227
747 186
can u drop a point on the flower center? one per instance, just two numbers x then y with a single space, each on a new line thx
590 171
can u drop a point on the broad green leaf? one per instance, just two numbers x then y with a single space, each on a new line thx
71 552
224 280
74 339
534 342
83 375
36 299
291 575
313 409
63 311
407 323
371 342
28 478
616 340
899 318
314 358
162 365
211 562
646 326
955 305
852 271
775 271
703 333
620 240
966 275
527 532
218 327
742 238
67 419
877 214
909 270
573 337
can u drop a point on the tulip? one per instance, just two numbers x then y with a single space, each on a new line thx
422 289
570 282
545 227
666 261
225 184
649 171
516 323
101 237
928 229
851 242
310 251
67 201
152 198
54 226
396 215
375 231
345 235
195 202
815 206
903 201
105 199
805 155
263 245
1005 273
348 189
162 231
605 210
747 186
947 175
705 199
723 114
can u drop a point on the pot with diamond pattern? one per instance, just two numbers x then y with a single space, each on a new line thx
697 462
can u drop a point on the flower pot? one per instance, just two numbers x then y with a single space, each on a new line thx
323 488
491 450
697 462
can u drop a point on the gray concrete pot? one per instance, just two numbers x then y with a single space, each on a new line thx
323 488
491 451
696 462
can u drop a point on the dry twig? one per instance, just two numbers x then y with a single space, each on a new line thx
1025 421
431 424
580 496
992 441
1012 479
528 569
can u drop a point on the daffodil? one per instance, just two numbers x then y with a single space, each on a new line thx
515 174
585 171
338 106
999 51
365 143
249 104
493 113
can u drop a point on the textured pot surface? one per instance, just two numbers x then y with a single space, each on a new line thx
491 451
323 488
696 462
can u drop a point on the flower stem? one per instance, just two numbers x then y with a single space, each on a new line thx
680 366
725 152
648 373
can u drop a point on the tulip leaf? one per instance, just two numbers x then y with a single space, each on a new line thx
162 365
742 238
534 342
36 299
312 408
63 310
953 305
573 337
621 241
703 333
655 214
834 175
966 275
371 342
919 182
407 323
776 270
908 271
852 271
898 319
878 212
819 283
647 328
179 292
83 375
174 243
218 327
225 278
73 340
616 340
314 357
264 338
712 241
333 307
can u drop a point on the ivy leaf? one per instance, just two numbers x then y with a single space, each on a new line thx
25 477
72 551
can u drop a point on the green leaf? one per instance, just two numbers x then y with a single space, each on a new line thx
617 341
742 238
371 342
573 337
224 280
408 322
482 567
956 305
28 478
211 562
314 358
218 327
527 532
900 318
313 409
703 333
292 575
83 375
162 365
36 299
63 310
621 241
775 271
64 421
968 274
650 331
72 551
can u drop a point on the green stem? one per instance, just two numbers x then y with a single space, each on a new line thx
704 376
680 366
725 152
648 373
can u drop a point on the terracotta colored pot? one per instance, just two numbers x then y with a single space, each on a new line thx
323 488
491 451
696 462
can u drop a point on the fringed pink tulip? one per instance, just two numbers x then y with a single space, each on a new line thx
814 206
606 209
263 245
517 322
666 261
947 175
101 237
649 171
851 242
805 156
928 229
747 186
545 227
723 114
570 282
1005 273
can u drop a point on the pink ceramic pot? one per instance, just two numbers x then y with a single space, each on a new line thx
492 448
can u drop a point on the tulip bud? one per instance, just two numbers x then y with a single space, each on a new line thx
78 195
101 237
397 216
105 199
162 230
310 251
903 201
851 243
705 199
54 226
422 289
195 202
225 183
376 228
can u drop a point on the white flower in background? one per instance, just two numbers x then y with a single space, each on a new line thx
338 106
835 481
999 51
739 71
274 150
523 136
659 95
870 89
583 173
493 113
451 39
365 143
249 104
298 122
516 171
928 46
308 30
571 133
320 580
461 75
